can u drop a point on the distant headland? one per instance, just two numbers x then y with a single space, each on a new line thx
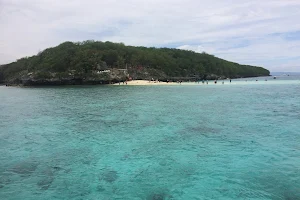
95 62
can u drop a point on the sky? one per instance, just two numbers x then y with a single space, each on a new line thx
256 32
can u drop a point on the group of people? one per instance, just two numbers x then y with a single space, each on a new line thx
216 81
124 82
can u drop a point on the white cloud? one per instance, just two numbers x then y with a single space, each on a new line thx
238 30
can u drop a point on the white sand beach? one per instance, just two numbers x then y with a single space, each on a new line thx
145 82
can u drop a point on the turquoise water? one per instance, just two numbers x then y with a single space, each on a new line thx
231 141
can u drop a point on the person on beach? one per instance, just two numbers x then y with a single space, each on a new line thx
230 80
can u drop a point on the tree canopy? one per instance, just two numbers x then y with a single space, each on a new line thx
87 56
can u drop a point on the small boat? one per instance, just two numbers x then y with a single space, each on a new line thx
274 77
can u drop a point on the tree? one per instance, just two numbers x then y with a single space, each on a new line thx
88 56
120 62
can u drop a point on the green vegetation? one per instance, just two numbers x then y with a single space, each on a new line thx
84 58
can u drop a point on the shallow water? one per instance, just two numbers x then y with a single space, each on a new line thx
231 141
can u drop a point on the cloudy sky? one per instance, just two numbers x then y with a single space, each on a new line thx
257 32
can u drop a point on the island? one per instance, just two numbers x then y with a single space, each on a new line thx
96 62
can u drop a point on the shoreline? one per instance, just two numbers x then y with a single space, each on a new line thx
250 80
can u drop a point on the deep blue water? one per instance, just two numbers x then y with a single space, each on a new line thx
231 141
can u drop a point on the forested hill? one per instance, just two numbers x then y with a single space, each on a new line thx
93 61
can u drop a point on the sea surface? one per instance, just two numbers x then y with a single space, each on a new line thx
238 140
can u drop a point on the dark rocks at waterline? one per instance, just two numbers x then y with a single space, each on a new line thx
109 176
213 77
106 81
57 82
